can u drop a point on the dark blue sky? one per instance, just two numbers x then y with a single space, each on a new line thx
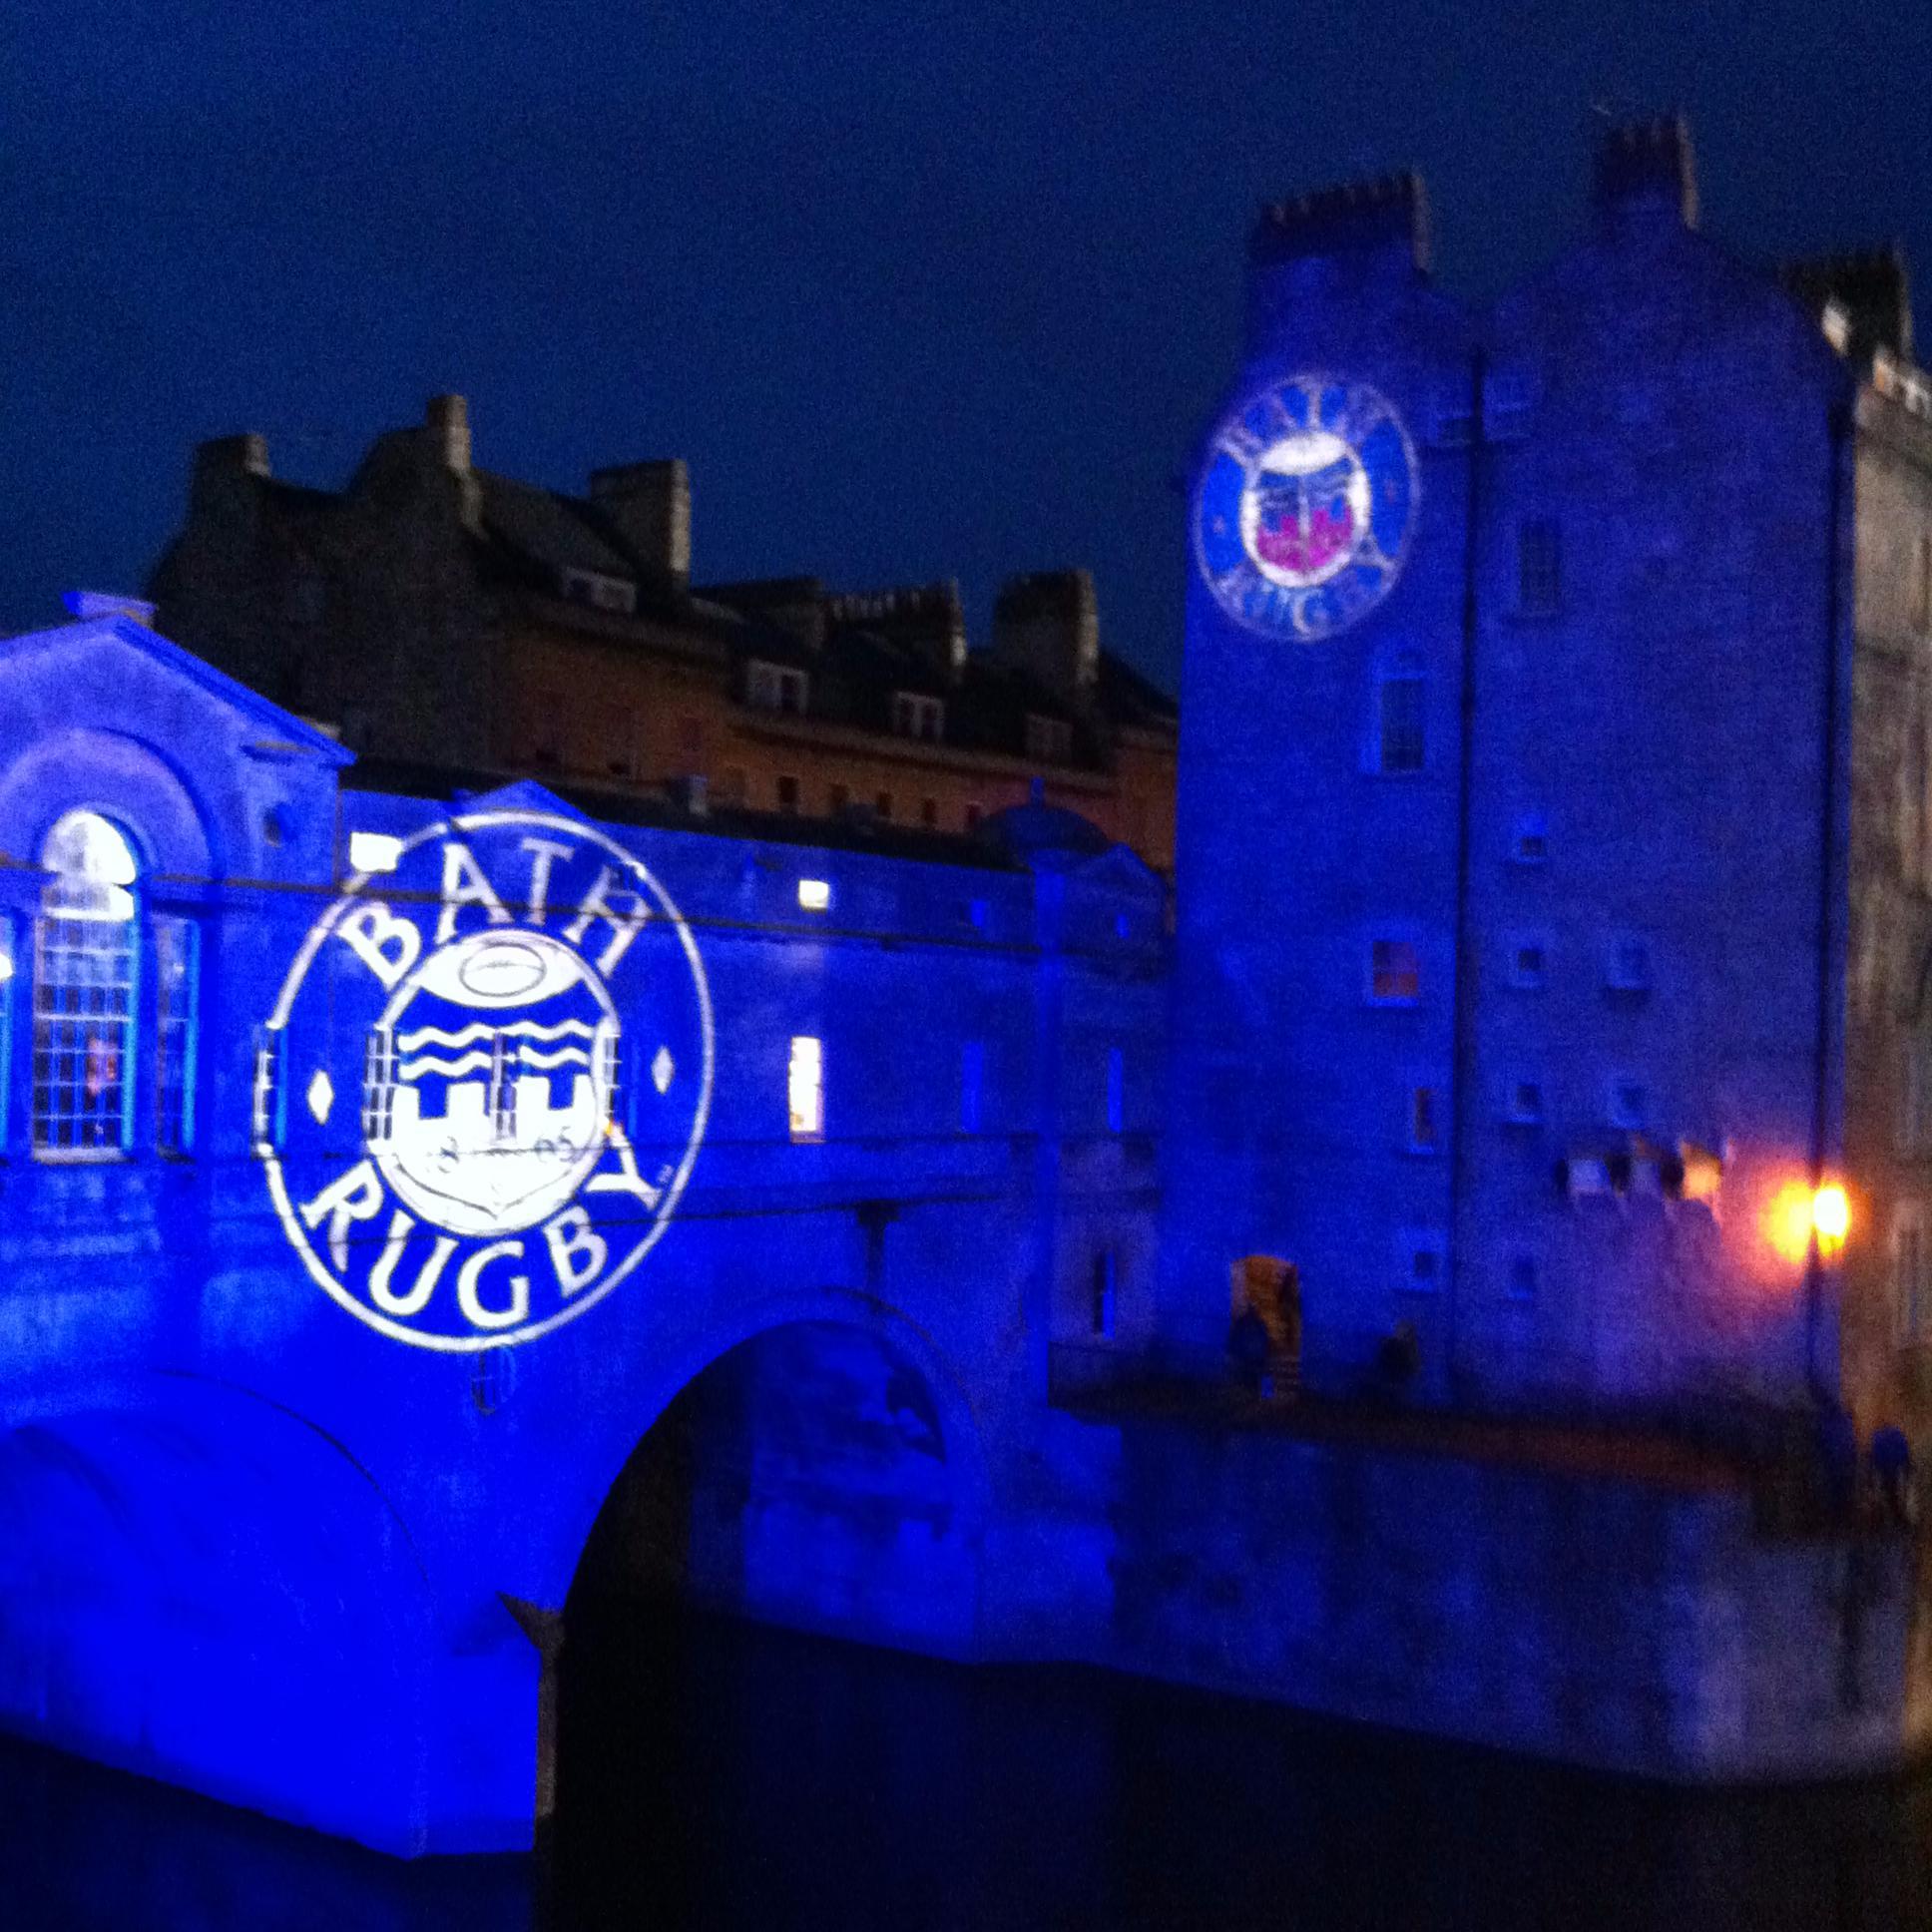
917 293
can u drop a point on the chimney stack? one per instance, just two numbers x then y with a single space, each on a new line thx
1048 625
649 506
1648 167
448 421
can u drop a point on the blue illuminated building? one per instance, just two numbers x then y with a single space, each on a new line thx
418 1208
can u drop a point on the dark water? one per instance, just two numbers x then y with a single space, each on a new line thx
717 1775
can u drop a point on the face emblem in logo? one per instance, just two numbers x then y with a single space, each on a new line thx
485 1081
1303 515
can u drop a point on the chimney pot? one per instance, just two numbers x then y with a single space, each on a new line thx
448 419
648 505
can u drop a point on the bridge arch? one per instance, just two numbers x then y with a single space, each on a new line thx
817 1464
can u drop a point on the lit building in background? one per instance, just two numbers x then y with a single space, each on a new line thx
442 1179
447 619
1556 816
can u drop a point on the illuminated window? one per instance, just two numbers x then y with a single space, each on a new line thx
6 1019
1909 1286
1116 1089
1529 964
1106 1290
1050 740
374 852
788 793
86 949
918 717
177 966
1394 972
1629 1103
806 1089
972 1086
1399 741
814 895
1423 1129
775 687
1539 566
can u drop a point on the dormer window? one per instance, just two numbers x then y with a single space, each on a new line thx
775 687
914 715
601 593
1049 739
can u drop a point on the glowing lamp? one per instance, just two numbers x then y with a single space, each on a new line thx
6 968
814 895
1830 1216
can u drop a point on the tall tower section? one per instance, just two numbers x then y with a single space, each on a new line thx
1321 788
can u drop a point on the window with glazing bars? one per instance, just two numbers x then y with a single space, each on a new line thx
177 968
84 1008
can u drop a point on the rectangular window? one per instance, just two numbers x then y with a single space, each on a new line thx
1116 1089
178 972
733 786
6 1022
1524 1102
625 757
1424 1129
788 795
546 729
1530 843
1399 734
85 980
1426 1264
929 815
814 895
1629 1103
838 797
1394 972
1521 1277
1529 964
1539 566
1106 1291
972 1086
974 813
1050 740
1922 583
918 717
775 687
1626 969
882 805
1909 1309
690 743
806 1089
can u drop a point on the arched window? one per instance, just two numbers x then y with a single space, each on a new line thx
1401 742
85 962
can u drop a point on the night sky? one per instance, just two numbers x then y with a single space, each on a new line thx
917 293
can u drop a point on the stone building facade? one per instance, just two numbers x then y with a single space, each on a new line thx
447 619
1550 926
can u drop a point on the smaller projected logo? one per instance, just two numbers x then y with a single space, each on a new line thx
1303 515
486 1079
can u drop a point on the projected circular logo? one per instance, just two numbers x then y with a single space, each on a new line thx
1305 506
482 1088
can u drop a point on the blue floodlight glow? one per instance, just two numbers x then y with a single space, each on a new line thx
499 1194
1305 506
